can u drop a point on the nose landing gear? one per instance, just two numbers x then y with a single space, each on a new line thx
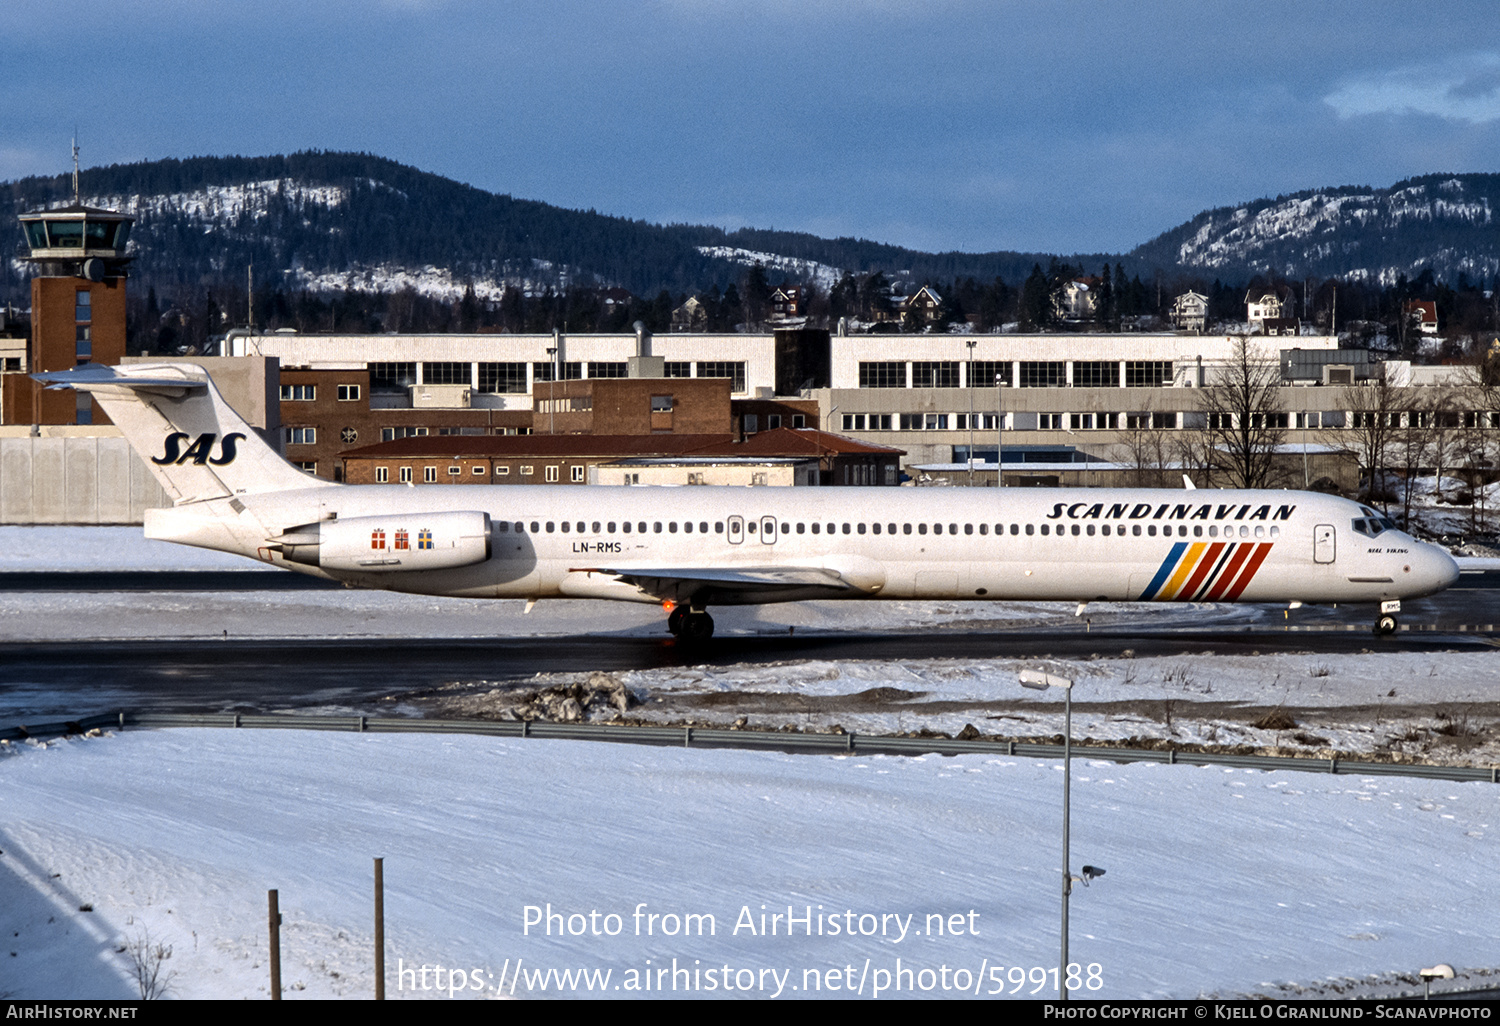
1385 623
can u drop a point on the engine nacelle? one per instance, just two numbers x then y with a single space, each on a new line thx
400 542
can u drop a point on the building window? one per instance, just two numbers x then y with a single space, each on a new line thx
455 471
1163 421
606 370
429 475
301 436
84 343
982 373
1049 421
526 470
773 421
885 374
752 423
661 404
382 475
390 434
800 420
543 371
1148 373
348 393
678 369
1043 374
391 377
503 471
550 475
83 306
478 471
446 372
308 466
405 475
1096 374
733 370
299 393
502 378
939 374
578 473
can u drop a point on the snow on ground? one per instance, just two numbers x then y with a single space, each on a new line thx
1218 881
105 549
1437 707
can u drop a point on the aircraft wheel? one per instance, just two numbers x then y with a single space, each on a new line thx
1385 624
675 619
697 627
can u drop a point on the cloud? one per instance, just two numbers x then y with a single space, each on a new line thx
1460 88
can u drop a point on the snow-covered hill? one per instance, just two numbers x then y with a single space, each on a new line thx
1446 222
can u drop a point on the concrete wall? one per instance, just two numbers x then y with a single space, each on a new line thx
68 478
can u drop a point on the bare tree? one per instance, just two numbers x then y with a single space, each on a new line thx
1146 448
1378 410
1477 461
1246 420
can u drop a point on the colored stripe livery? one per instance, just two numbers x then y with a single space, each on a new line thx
1206 571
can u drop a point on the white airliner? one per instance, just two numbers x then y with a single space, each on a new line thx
691 548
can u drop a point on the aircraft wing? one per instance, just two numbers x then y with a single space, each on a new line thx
672 582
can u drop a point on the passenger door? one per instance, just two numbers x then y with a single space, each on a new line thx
1323 543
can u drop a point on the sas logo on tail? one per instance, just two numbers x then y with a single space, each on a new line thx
200 452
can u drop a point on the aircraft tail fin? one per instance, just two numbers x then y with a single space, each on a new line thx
191 439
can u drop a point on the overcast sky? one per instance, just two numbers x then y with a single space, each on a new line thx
1053 125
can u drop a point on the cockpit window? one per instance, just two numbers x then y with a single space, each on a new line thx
1372 526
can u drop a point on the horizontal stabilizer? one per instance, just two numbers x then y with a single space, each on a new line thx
173 380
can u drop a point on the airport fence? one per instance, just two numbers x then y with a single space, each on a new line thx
722 737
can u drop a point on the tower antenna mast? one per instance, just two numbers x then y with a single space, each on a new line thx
76 201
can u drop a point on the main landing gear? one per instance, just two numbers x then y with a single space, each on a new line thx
690 624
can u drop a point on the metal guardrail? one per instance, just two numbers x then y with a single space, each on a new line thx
719 737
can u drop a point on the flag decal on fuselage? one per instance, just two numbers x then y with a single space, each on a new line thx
1206 571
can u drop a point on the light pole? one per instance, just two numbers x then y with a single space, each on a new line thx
999 428
551 387
1306 477
969 381
1038 681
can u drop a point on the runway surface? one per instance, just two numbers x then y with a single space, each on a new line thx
65 679
51 681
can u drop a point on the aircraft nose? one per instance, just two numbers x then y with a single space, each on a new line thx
1438 568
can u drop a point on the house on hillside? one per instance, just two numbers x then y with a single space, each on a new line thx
1422 315
1269 304
1190 312
786 303
1077 300
690 316
925 305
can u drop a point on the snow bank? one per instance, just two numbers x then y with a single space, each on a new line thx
1217 880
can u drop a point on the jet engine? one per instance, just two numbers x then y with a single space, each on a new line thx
400 542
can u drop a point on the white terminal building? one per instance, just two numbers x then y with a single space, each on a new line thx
941 398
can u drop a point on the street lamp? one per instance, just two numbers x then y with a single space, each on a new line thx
552 384
1306 477
1441 971
969 381
1039 681
999 428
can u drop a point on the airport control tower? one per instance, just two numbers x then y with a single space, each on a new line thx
77 307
